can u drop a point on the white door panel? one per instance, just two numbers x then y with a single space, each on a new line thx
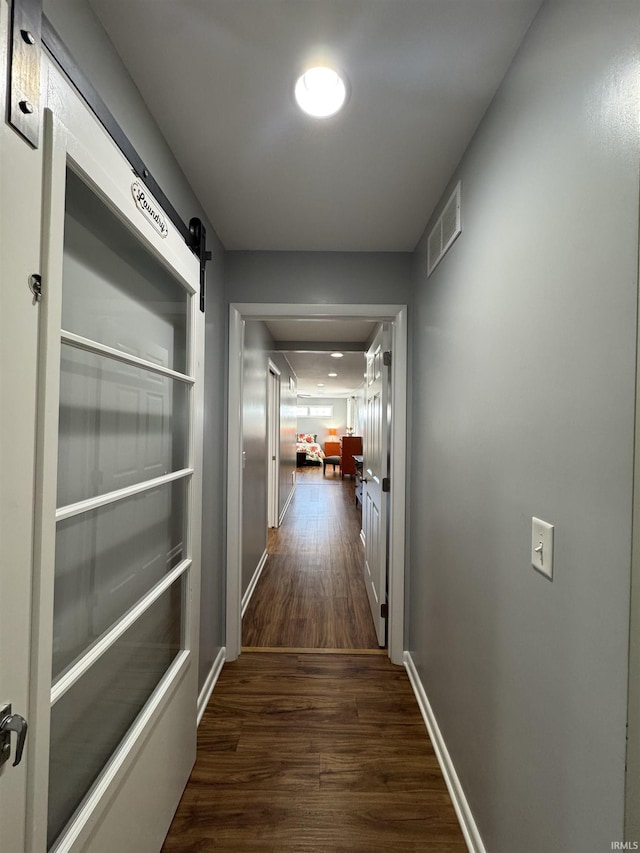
375 469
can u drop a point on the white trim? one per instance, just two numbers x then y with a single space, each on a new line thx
120 494
460 803
86 344
286 504
97 799
210 683
114 633
246 598
397 316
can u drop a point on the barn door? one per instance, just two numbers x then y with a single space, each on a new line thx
375 471
117 542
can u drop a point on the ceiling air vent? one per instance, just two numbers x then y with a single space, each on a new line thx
444 232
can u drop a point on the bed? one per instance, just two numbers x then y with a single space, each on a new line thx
308 451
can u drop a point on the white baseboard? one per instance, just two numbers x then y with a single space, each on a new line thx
246 598
210 683
288 501
460 804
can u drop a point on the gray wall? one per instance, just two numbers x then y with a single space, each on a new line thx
523 405
257 342
92 49
258 349
317 277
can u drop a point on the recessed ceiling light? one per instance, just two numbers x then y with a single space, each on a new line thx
320 385
336 355
332 374
320 92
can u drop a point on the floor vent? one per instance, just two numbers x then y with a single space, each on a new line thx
444 232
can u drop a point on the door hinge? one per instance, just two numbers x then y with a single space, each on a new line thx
35 286
386 359
384 611
386 484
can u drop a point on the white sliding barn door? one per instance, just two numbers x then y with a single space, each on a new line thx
375 469
118 527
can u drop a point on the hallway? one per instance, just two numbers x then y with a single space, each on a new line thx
311 594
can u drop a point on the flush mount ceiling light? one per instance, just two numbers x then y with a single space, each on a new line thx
332 374
336 355
320 92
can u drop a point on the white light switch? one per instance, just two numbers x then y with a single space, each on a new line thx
542 547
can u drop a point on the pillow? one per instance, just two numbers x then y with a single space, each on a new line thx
309 438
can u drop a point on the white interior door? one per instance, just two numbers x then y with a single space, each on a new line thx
273 444
375 469
118 526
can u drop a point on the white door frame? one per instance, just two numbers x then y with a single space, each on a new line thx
273 443
397 316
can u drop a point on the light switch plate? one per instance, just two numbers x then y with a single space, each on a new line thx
542 547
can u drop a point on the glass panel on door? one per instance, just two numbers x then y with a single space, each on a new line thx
119 425
90 720
115 291
107 560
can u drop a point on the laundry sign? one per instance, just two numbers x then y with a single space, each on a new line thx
148 207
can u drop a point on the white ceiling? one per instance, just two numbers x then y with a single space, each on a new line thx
312 368
218 76
312 362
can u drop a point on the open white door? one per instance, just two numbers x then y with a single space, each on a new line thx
375 470
118 509
273 444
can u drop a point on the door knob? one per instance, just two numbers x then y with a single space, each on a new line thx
11 723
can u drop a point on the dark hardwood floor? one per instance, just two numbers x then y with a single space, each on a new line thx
314 753
311 593
321 749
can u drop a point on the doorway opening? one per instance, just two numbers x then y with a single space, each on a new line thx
396 316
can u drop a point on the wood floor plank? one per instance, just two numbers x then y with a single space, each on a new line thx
331 754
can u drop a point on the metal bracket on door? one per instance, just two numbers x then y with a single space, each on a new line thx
199 245
24 73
